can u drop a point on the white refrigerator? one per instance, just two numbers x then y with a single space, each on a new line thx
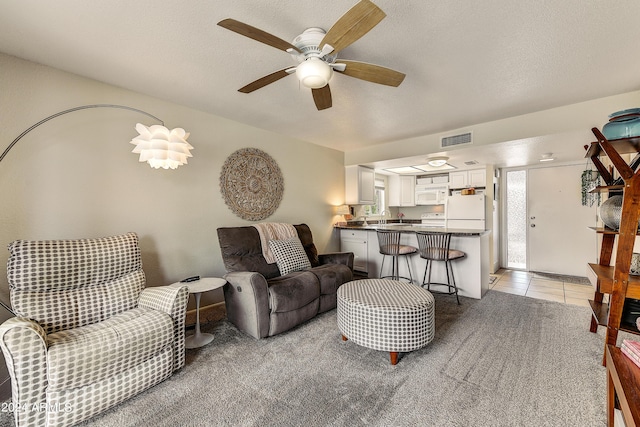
466 211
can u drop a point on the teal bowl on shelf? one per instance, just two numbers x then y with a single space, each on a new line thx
623 124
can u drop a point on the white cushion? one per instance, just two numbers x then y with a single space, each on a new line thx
290 255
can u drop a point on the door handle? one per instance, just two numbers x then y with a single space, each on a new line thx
533 217
533 225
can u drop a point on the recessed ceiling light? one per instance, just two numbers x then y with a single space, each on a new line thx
403 170
429 168
547 157
437 161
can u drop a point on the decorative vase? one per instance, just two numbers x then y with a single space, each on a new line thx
611 211
623 124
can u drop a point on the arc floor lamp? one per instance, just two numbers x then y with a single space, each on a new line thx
156 144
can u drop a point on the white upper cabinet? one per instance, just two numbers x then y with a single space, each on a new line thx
402 190
464 179
458 179
359 185
477 178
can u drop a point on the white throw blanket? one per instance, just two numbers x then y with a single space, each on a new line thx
273 231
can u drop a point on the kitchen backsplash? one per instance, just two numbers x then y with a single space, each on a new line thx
410 212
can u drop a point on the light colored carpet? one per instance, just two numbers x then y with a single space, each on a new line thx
505 360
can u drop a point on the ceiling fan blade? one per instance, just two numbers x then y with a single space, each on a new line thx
322 97
357 22
371 73
256 34
262 82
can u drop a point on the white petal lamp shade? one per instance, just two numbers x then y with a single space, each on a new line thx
314 73
161 147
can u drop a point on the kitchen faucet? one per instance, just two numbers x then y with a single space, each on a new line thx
383 218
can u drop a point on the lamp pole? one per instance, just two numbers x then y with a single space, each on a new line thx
71 110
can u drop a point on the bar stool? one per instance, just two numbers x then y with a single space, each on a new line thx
435 247
389 242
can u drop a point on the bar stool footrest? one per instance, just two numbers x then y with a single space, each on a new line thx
453 290
409 280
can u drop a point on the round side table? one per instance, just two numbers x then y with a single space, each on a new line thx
197 287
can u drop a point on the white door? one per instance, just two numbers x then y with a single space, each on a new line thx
559 238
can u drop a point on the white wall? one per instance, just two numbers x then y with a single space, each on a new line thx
566 129
75 176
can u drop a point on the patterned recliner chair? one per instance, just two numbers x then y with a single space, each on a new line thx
87 334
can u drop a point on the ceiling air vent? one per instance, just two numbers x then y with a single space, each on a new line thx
449 141
471 162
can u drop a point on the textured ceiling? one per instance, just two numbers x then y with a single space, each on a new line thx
466 62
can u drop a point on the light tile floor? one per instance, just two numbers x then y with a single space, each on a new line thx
565 289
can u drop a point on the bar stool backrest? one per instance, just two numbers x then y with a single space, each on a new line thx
389 242
433 246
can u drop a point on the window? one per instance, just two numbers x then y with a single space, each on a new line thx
516 219
378 207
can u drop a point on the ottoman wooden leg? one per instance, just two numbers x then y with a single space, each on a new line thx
393 355
344 338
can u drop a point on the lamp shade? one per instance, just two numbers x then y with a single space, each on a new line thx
342 210
161 147
314 73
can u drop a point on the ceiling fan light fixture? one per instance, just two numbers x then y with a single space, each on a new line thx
314 73
437 161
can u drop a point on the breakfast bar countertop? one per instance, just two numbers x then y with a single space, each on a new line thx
471 272
413 227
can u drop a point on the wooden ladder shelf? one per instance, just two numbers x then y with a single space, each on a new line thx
615 280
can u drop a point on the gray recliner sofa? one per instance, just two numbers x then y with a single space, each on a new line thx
261 302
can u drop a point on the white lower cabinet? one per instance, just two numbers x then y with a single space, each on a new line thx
356 241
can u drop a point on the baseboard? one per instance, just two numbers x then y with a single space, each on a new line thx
209 313
359 275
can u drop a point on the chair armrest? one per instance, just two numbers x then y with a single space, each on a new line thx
24 345
345 258
173 301
169 299
246 297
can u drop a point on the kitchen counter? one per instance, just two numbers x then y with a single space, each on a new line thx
471 272
412 228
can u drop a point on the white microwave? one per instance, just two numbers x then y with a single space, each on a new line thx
431 194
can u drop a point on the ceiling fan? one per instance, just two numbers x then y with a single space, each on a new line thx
316 51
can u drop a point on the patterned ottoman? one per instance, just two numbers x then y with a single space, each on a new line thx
386 315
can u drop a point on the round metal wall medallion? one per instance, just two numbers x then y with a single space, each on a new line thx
251 184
